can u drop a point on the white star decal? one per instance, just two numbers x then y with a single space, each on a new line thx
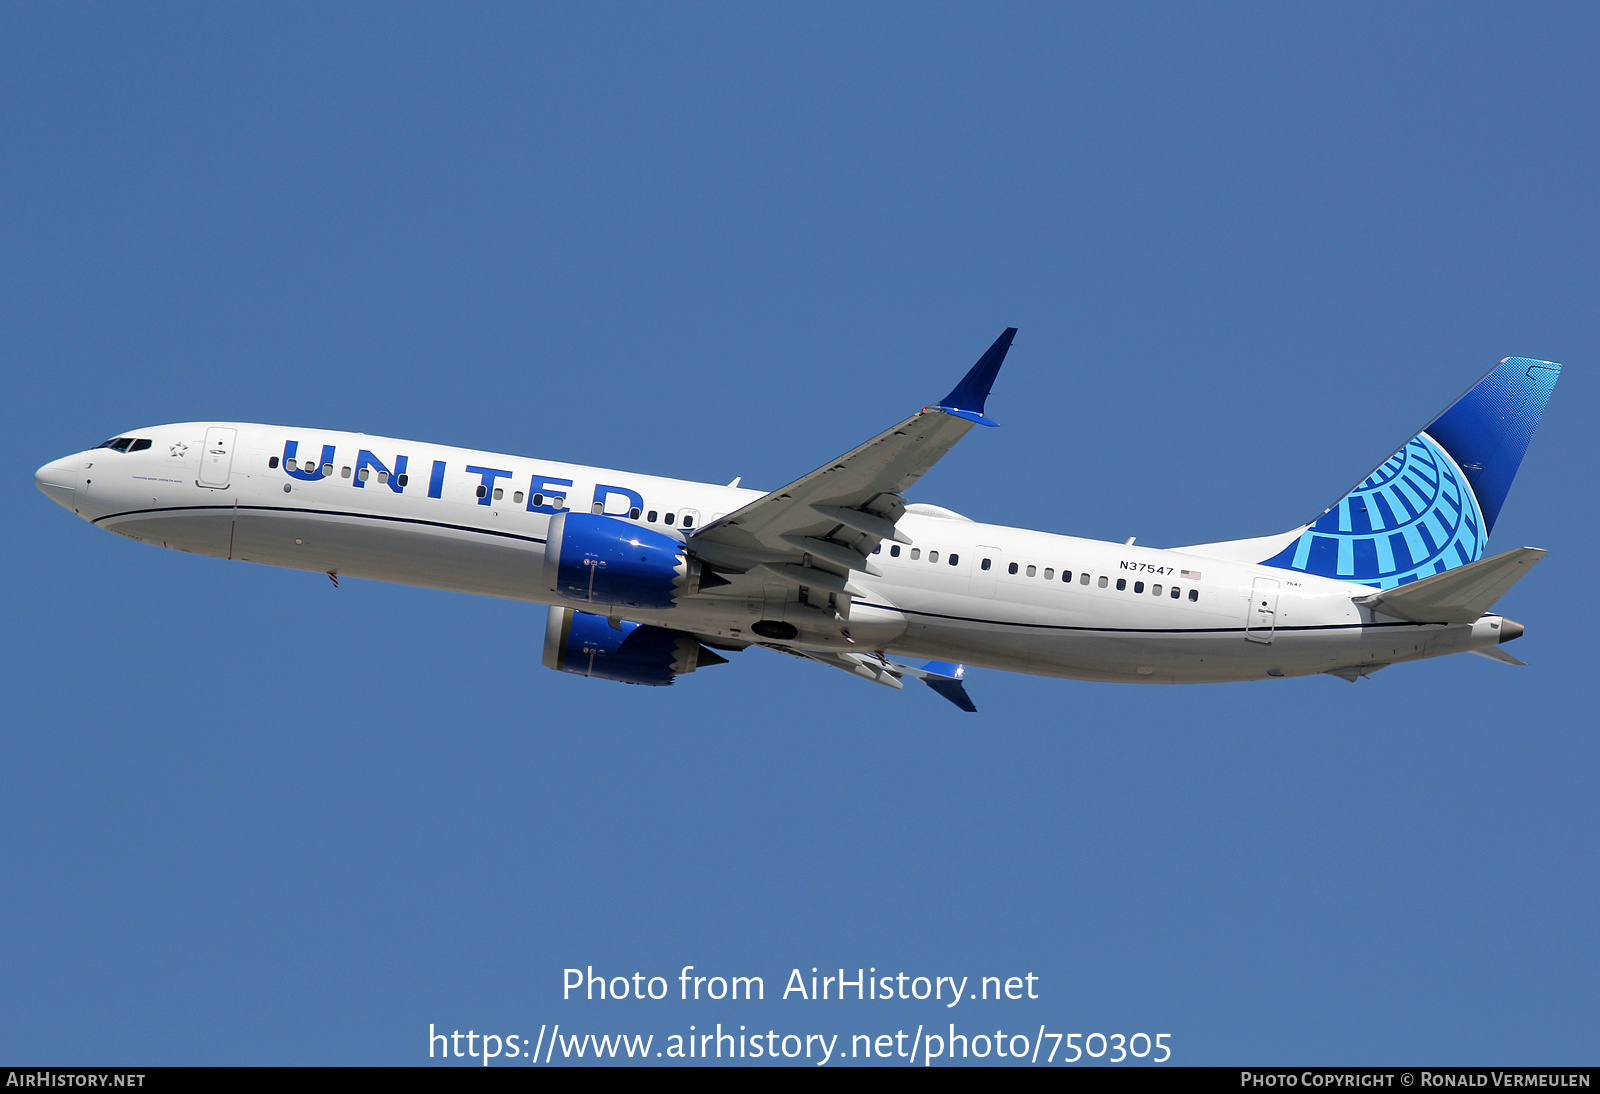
179 449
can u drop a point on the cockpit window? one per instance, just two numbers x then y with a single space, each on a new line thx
125 444
139 445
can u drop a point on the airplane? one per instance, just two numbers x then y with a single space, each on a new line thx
646 578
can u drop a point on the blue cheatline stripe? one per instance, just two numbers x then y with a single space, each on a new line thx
1139 630
319 513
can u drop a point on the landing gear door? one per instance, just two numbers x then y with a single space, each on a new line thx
774 595
216 459
1262 617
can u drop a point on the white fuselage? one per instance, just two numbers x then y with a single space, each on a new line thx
1229 620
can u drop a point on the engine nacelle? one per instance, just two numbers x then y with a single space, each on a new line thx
602 560
589 645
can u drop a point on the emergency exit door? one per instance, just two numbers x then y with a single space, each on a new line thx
985 566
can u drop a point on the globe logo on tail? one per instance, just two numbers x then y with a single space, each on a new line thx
1414 516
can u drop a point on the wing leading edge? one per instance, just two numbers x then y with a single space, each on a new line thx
944 678
820 528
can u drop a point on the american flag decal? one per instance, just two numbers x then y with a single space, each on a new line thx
1192 575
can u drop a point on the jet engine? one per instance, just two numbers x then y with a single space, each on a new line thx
633 653
602 560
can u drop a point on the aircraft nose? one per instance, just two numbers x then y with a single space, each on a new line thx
59 479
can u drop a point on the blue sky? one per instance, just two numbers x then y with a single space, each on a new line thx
251 818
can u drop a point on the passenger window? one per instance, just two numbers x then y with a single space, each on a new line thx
403 479
633 514
538 500
933 556
1066 575
1138 586
1122 584
273 462
499 493
916 552
310 465
650 516
515 498
984 565
383 477
894 552
1194 594
1176 592
688 520
559 502
140 445
1011 569
669 518
1155 590
366 473
327 469
1033 571
1102 580
1049 573
483 491
954 559
597 507
1084 580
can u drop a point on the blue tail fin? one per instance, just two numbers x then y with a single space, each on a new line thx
1430 506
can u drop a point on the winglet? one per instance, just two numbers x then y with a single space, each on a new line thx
945 679
967 399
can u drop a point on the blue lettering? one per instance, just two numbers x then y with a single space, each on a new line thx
366 459
602 494
546 490
292 466
488 474
436 483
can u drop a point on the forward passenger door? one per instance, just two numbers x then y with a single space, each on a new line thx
216 459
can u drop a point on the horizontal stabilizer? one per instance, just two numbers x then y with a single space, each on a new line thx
1460 595
1495 653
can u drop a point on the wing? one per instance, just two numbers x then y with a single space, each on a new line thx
819 528
942 677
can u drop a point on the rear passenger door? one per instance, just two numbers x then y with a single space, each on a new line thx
1262 619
